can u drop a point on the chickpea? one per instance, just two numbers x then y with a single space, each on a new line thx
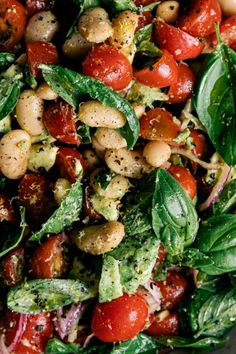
110 138
94 25
99 239
168 11
29 112
156 153
14 153
61 189
127 163
42 156
46 93
228 7
95 114
76 46
41 27
124 26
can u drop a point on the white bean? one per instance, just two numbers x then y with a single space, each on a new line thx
14 153
76 46
95 114
124 26
228 7
110 138
94 25
99 149
139 109
127 163
42 156
156 153
168 11
41 27
45 92
61 189
92 160
29 112
99 239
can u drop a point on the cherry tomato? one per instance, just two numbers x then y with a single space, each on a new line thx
182 90
47 261
120 319
143 2
169 326
179 43
34 195
200 19
40 53
70 163
162 74
6 210
228 33
199 143
38 329
107 64
13 266
173 289
59 119
88 208
33 6
185 178
12 23
158 124
144 20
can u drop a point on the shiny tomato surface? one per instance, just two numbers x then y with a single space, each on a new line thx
169 326
185 178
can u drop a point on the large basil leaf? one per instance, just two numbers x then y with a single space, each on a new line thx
67 213
71 86
217 239
143 43
36 296
9 94
208 343
227 199
215 101
6 59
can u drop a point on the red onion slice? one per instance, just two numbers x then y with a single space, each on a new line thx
64 323
19 333
151 294
190 155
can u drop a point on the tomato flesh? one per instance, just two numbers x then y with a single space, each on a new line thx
34 6
169 326
70 163
13 266
199 143
6 210
228 33
120 319
185 178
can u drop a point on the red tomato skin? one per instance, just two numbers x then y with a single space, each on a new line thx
179 43
59 119
34 6
182 90
12 23
38 330
6 210
173 289
185 178
228 33
143 2
162 74
200 20
66 161
40 53
119 319
13 266
144 20
105 63
158 124
199 142
169 326
47 261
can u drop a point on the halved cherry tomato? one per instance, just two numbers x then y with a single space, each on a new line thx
158 124
13 266
144 19
179 43
200 19
143 2
37 331
6 210
33 6
173 289
228 33
47 261
12 23
169 326
185 178
59 119
70 163
162 74
120 319
107 64
40 53
182 90
199 142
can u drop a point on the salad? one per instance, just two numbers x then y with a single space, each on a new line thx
118 178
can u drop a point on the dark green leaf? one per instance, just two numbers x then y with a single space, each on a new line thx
143 42
208 343
227 199
215 101
119 5
55 346
36 296
142 344
84 133
9 94
104 177
71 86
151 6
29 77
2 183
192 258
6 59
67 213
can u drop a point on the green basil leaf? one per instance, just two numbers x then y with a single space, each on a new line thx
151 6
84 133
192 258
67 213
71 86
142 344
119 5
6 59
42 295
9 94
143 42
55 346
227 199
215 101
201 343
104 178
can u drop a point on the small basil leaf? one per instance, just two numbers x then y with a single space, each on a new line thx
6 59
119 5
201 343
142 344
143 42
55 346
71 86
227 199
84 133
192 258
9 94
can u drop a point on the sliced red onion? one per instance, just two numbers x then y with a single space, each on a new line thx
217 189
3 347
190 155
152 295
19 333
65 323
